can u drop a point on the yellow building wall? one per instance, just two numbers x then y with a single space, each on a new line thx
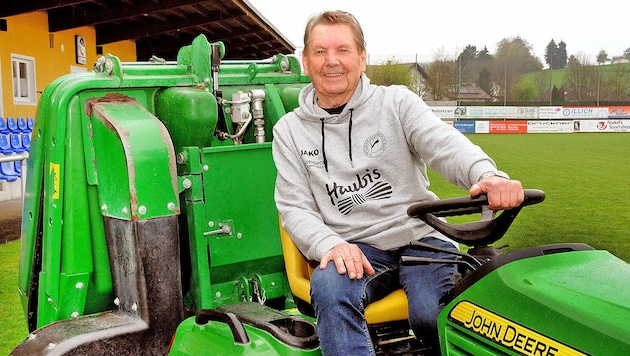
54 55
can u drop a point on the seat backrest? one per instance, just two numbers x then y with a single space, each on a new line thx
30 122
16 143
298 268
5 145
26 141
12 125
21 124
3 126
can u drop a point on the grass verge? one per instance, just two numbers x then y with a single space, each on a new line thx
12 319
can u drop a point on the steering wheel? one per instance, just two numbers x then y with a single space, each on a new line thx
487 230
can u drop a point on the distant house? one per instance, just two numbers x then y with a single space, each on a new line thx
470 92
619 59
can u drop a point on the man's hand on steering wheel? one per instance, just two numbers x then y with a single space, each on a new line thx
502 193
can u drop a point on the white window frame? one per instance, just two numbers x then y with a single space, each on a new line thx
23 78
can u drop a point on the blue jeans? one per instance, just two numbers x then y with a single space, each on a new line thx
339 301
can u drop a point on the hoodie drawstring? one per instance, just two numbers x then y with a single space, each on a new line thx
350 138
349 142
324 146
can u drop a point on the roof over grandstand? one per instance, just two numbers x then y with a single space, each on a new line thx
162 27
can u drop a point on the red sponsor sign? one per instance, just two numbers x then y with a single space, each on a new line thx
519 126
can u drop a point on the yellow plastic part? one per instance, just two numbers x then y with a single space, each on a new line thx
299 270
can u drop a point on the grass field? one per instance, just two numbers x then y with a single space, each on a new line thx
11 315
586 178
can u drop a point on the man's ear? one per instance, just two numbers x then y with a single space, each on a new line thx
364 60
304 66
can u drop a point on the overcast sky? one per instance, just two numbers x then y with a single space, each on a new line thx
409 29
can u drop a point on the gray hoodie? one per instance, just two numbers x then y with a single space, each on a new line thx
351 177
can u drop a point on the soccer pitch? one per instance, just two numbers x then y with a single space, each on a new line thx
586 178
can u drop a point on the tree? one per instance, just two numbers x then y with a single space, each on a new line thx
442 82
615 83
484 81
391 72
626 53
513 58
523 91
562 55
581 77
602 57
550 53
484 55
465 63
541 81
556 55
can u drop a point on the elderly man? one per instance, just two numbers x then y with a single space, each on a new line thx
351 159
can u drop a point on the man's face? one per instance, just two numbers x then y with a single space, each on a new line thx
334 64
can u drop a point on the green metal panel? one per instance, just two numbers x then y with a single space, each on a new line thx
573 301
234 235
60 116
215 338
102 147
136 159
189 114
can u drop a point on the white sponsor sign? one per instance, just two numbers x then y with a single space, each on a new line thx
444 112
550 112
585 113
602 125
550 126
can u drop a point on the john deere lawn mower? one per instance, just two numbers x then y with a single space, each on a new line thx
150 228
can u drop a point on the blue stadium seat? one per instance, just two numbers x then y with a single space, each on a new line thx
17 167
5 145
12 125
16 143
30 122
3 126
7 172
21 124
26 141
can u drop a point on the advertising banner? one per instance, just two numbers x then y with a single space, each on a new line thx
499 112
601 125
444 112
482 127
619 112
508 126
526 112
550 126
550 112
585 112
464 126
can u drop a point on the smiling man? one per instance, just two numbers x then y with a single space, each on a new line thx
351 159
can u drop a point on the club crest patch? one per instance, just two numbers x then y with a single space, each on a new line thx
374 145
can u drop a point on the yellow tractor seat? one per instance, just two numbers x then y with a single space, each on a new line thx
299 270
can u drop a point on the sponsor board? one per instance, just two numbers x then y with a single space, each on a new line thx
601 125
619 112
550 112
444 112
585 112
550 126
508 126
465 126
527 112
540 126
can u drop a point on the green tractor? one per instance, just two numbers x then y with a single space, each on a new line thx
149 228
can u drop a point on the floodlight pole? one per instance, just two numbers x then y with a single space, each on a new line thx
550 69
